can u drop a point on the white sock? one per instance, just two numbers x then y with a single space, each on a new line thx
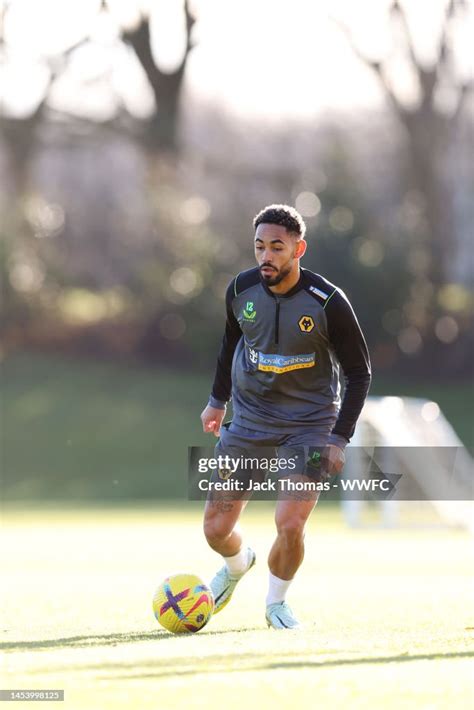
277 589
237 564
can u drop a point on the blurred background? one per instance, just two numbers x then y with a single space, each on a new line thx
139 139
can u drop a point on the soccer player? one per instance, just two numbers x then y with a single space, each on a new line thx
287 332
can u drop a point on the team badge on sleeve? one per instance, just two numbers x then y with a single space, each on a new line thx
249 311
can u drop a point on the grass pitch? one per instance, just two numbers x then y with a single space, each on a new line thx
387 614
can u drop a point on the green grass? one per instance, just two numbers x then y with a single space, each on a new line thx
388 616
78 429
84 429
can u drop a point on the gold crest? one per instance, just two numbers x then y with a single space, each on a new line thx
306 324
224 473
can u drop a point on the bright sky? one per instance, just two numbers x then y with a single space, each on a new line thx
271 58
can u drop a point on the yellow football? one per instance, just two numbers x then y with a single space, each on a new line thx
183 604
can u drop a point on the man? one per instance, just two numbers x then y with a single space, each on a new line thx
287 332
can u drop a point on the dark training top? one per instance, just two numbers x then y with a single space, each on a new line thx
280 357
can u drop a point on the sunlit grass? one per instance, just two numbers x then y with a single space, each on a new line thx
387 614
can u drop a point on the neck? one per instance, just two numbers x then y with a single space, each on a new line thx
287 283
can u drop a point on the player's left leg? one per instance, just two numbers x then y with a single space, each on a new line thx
287 551
292 513
286 555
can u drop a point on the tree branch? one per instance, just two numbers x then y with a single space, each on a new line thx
376 67
399 14
140 40
466 90
190 22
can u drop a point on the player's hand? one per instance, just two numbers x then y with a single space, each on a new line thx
333 460
212 419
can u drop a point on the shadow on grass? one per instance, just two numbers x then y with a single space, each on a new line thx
219 667
187 665
107 639
168 667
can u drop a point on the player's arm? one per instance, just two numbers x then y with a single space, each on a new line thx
214 412
348 343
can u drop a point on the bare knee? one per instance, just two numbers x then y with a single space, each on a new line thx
291 531
217 531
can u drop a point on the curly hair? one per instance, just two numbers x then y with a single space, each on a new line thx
283 215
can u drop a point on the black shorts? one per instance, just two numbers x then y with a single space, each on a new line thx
248 457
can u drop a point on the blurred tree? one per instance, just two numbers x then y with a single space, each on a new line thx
148 236
161 127
166 86
19 134
430 128
22 131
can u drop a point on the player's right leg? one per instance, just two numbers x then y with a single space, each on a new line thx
223 535
221 528
222 512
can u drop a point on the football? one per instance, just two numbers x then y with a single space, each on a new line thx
183 604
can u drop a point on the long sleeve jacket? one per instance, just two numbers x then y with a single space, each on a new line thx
281 357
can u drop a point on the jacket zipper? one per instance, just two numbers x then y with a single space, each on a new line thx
277 321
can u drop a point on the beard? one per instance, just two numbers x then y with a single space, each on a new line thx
276 277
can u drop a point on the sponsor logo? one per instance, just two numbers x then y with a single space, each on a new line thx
314 459
320 293
306 324
249 313
253 356
285 363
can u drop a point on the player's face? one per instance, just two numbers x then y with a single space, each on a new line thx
277 252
